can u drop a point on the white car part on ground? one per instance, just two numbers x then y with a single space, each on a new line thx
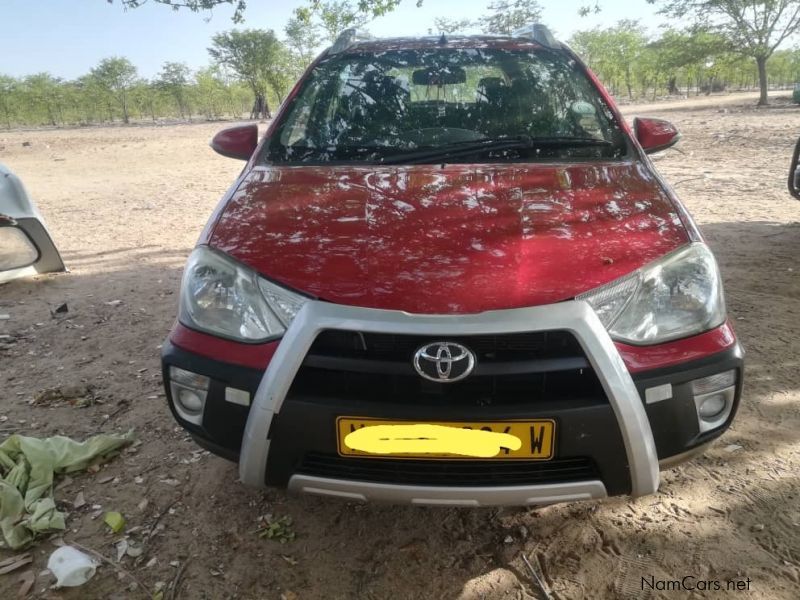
26 247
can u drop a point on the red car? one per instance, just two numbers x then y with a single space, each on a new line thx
449 274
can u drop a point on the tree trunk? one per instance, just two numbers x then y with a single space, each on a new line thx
267 111
124 102
761 63
672 87
261 108
256 110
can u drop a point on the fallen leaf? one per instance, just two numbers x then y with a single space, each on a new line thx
115 521
79 500
122 549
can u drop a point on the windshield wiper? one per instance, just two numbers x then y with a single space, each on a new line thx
505 143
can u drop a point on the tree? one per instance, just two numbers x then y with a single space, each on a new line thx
8 93
696 54
147 98
617 53
304 39
116 76
174 80
193 5
446 26
258 58
754 28
44 95
337 15
93 100
211 92
505 16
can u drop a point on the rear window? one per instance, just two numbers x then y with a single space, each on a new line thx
371 107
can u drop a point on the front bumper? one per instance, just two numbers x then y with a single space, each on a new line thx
288 439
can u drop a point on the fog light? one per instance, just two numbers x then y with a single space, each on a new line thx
714 409
189 391
190 400
711 406
713 398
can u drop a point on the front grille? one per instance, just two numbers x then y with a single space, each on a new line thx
491 348
511 369
448 473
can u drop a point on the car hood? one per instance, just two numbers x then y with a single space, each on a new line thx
448 239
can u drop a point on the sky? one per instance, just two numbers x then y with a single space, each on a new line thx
68 37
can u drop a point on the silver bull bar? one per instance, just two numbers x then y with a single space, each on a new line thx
576 317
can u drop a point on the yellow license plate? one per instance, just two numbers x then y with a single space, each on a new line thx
529 440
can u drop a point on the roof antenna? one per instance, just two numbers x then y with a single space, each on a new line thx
442 40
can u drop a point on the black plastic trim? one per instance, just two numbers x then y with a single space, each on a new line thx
223 422
674 421
305 423
365 365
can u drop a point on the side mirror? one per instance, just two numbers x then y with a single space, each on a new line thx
236 142
655 135
794 173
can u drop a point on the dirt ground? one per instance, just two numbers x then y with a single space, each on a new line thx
126 205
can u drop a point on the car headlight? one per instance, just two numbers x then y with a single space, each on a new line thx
676 296
224 298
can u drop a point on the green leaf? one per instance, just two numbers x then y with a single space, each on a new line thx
115 521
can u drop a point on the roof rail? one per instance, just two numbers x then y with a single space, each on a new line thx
348 38
537 32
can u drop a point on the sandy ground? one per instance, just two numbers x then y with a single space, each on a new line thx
702 101
126 205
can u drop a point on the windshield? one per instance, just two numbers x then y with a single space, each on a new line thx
437 104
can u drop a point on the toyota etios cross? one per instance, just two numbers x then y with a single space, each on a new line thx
449 274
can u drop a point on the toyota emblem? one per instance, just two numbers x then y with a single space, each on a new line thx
444 362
